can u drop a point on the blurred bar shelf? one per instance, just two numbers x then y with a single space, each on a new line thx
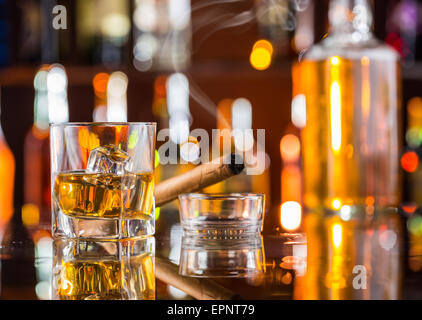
83 75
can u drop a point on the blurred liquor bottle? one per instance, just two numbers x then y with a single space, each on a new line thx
49 35
351 141
4 34
103 30
162 35
177 150
233 114
159 110
28 36
100 84
50 105
410 161
117 97
7 176
234 122
110 104
304 30
291 181
404 29
37 40
414 228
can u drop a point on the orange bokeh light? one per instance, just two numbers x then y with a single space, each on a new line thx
261 54
414 107
160 87
263 44
100 83
410 161
409 208
290 148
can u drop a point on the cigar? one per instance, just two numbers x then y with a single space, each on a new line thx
200 177
198 288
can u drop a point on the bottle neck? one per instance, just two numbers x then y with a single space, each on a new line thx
350 19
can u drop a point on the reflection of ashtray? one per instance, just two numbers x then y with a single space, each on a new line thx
236 258
287 251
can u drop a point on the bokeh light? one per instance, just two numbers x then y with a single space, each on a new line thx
261 55
335 116
337 235
115 25
57 79
290 215
177 94
346 213
242 124
414 107
414 137
336 204
189 150
264 44
299 111
335 61
409 208
100 82
116 97
30 214
387 239
410 161
290 148
415 225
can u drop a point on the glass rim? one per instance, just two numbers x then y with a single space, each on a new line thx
221 196
103 124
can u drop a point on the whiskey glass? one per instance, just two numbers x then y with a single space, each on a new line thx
86 269
102 180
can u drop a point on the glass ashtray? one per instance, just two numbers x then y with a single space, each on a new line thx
221 216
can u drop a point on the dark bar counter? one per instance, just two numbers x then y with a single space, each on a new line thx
334 258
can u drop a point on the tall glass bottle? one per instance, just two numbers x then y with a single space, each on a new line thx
36 209
7 176
50 105
351 141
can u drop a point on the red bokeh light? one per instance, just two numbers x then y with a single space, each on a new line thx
410 161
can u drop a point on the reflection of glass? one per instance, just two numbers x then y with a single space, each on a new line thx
98 270
202 257
222 215
351 142
103 179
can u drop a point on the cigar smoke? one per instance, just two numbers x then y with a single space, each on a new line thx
215 19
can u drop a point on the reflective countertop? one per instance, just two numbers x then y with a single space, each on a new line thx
330 258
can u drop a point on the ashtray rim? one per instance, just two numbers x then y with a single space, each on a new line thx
222 196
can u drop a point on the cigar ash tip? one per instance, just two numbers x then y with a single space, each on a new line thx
236 165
